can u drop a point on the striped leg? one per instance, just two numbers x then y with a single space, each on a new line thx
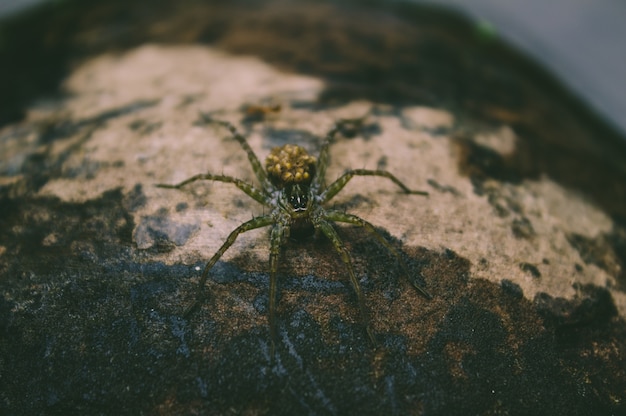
353 219
277 238
323 159
338 185
257 222
254 160
250 190
326 228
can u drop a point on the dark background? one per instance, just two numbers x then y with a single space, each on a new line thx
581 42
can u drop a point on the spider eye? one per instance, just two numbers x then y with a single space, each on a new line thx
299 202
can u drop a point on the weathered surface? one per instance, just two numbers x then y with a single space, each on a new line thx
521 241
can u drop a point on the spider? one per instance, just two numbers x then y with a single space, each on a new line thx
293 188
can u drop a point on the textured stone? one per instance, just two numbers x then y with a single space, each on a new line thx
521 241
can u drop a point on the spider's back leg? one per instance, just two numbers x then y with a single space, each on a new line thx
257 168
323 160
248 189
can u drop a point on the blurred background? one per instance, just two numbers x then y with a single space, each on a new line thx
580 41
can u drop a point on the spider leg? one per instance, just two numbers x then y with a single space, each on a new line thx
259 172
277 238
250 190
355 220
338 185
257 222
323 159
331 234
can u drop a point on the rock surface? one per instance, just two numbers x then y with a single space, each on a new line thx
521 242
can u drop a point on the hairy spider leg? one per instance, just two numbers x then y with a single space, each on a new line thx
330 233
252 224
248 189
338 185
277 238
257 168
339 216
323 159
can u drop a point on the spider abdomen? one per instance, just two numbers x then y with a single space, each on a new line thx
290 164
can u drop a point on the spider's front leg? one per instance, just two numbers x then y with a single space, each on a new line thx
277 239
257 222
327 229
339 184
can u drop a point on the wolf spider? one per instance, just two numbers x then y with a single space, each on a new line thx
293 188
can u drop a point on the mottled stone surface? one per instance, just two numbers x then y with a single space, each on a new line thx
521 241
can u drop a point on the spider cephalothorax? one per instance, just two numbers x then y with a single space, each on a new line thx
293 187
